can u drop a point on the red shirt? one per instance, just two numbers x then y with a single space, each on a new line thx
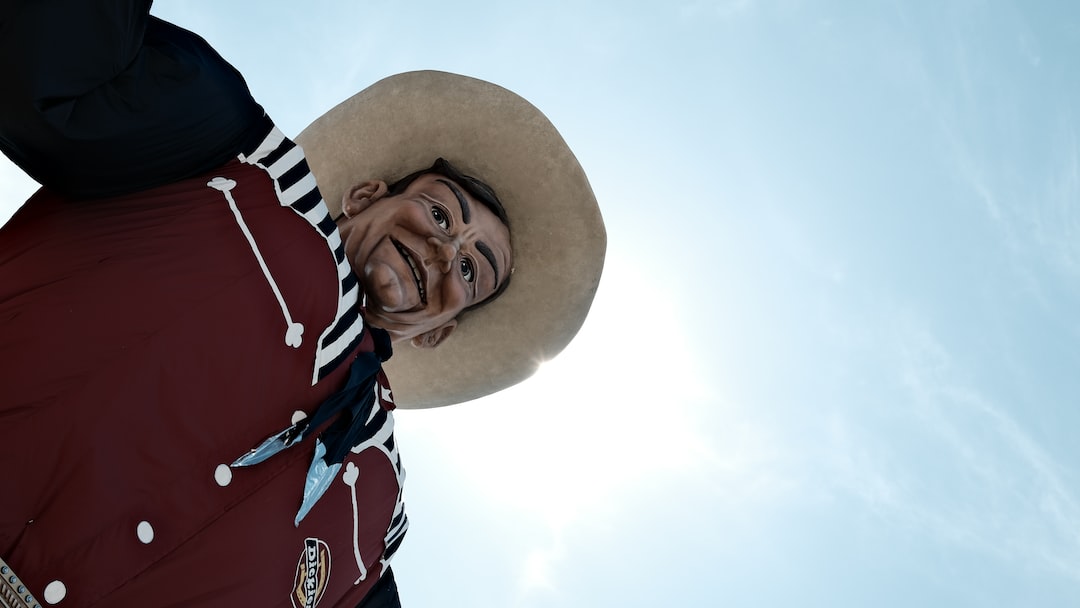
143 348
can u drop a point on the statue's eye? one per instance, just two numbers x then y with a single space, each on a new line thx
440 218
467 270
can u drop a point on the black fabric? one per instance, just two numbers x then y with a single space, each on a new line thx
99 98
351 406
384 594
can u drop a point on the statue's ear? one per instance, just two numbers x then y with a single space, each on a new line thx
361 196
434 337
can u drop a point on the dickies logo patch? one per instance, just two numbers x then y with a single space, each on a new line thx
312 574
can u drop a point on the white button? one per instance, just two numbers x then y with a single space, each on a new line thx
55 592
298 415
294 336
223 475
222 184
145 532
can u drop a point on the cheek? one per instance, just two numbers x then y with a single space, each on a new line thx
455 294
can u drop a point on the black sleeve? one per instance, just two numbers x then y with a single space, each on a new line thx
384 594
100 98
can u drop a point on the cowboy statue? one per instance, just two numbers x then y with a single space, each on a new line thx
198 314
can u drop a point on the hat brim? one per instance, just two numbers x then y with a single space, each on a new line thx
402 124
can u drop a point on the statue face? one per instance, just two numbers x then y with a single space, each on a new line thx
422 256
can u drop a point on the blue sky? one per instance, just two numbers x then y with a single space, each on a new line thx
833 358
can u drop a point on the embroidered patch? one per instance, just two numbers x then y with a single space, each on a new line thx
312 574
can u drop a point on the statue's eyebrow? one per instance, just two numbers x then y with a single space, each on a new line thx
466 213
485 251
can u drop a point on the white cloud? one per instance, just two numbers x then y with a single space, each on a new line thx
1057 215
980 480
538 571
723 9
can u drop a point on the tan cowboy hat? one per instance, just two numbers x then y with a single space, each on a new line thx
402 124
